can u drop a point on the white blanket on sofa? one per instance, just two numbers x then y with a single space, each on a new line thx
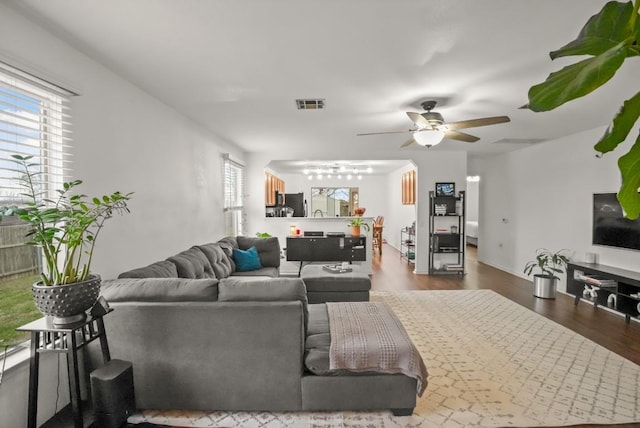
369 337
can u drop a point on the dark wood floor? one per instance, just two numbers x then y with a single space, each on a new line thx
391 273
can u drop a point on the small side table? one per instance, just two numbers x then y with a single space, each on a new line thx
68 339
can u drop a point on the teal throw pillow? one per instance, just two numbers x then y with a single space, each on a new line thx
246 260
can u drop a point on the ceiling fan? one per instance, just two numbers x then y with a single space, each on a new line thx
430 127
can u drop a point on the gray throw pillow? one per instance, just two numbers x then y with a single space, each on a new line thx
268 249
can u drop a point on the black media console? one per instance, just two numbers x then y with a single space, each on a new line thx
617 289
326 249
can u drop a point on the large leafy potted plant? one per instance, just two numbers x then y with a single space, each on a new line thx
609 38
66 230
356 223
549 264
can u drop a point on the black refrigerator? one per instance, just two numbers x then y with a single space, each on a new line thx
297 202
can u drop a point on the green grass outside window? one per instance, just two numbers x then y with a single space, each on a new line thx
16 308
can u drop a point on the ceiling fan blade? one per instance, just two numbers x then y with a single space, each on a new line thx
408 142
455 135
390 132
419 120
478 122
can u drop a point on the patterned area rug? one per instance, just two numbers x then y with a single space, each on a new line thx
492 363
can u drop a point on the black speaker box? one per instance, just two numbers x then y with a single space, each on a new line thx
112 394
313 233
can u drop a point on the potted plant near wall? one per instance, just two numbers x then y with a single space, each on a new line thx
549 264
66 230
356 223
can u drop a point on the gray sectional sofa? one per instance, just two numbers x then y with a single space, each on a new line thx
214 260
207 337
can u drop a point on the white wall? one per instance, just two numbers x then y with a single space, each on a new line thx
448 167
123 140
541 196
399 216
472 201
126 140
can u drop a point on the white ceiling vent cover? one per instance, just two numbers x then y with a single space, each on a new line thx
310 104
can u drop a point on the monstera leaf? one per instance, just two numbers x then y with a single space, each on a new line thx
609 38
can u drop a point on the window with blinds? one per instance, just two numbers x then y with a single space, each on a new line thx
233 197
34 121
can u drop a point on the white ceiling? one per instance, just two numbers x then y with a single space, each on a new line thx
332 166
236 66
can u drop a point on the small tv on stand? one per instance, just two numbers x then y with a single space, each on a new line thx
445 189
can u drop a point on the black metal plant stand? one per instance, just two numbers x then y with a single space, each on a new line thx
47 337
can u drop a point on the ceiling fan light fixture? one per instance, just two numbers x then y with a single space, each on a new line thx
428 137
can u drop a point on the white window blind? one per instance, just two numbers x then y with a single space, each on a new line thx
34 121
233 197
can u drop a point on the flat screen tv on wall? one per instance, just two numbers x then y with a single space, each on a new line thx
610 227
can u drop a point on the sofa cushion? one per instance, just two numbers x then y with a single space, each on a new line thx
247 260
218 259
192 263
159 290
318 342
318 319
233 289
316 355
268 249
267 272
317 279
227 245
161 269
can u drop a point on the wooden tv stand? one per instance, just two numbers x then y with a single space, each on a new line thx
624 286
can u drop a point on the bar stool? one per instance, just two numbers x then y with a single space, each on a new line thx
377 234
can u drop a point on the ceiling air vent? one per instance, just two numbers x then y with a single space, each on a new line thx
312 104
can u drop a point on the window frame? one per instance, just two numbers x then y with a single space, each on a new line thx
35 121
234 210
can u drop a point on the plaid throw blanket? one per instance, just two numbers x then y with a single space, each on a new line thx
367 336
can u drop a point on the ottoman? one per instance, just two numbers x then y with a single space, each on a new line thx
323 286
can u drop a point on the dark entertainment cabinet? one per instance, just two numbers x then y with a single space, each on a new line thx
326 248
620 289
